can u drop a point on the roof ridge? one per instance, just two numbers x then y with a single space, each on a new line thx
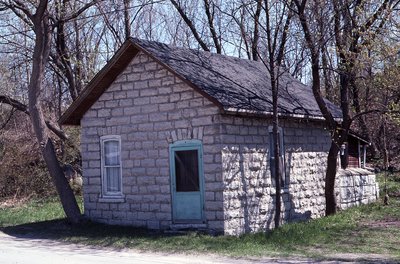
136 40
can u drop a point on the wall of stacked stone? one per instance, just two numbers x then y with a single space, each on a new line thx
149 108
249 191
357 186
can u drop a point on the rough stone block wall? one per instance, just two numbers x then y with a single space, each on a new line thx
249 193
149 108
356 187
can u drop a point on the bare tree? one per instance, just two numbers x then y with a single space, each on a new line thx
38 18
277 22
247 18
353 20
209 9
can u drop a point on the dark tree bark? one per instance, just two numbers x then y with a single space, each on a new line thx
65 60
210 19
256 34
327 77
78 69
127 19
243 33
331 170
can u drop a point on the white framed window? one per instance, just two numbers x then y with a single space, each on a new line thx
281 154
111 168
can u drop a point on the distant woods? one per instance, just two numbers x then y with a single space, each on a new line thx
354 42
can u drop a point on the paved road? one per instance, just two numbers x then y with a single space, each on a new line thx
38 251
24 250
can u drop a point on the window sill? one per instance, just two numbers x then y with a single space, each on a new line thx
120 199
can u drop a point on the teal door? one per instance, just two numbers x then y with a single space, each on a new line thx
186 163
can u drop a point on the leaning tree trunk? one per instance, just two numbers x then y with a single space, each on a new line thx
40 57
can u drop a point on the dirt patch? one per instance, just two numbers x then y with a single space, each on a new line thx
13 202
384 223
395 194
363 258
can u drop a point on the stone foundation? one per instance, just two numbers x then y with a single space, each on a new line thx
357 186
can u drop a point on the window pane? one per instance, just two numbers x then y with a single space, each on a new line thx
113 179
187 171
111 153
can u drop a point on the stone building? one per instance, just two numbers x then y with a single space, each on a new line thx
175 138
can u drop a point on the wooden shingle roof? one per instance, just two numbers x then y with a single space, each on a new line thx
235 85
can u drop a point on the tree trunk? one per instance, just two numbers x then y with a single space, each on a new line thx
327 77
256 37
127 18
330 197
276 47
330 176
64 191
278 175
276 153
40 57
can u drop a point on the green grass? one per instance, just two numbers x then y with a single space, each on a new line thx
392 184
368 229
31 212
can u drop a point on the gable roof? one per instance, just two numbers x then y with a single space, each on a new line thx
233 84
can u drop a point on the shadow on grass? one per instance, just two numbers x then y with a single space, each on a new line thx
119 237
61 229
123 237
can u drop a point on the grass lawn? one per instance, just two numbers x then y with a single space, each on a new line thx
365 230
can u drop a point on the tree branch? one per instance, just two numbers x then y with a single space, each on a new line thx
20 6
310 42
79 11
14 103
24 16
24 108
56 130
190 24
374 111
256 34
210 18
8 119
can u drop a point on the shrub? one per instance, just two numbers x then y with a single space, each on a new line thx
23 171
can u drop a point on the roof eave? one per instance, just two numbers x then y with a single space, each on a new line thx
233 110
353 134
